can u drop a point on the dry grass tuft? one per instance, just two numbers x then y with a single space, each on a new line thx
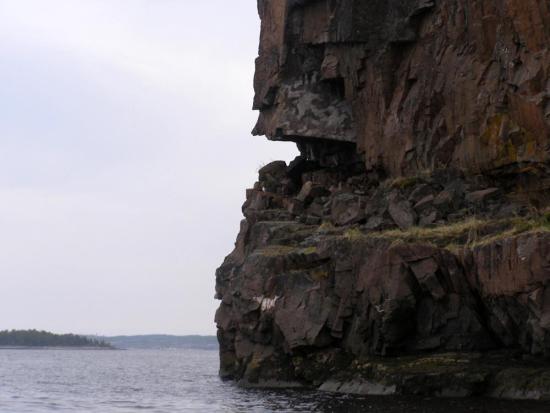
470 233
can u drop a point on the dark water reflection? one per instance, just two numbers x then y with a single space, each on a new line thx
321 402
166 381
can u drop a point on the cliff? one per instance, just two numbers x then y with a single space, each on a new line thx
407 249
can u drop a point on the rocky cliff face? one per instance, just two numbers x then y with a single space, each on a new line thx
412 234
416 84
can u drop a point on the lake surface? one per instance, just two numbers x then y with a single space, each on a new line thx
168 381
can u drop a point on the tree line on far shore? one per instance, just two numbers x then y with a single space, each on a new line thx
35 338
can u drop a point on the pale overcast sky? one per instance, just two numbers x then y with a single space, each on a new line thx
125 151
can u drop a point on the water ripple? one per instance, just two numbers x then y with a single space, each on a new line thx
159 381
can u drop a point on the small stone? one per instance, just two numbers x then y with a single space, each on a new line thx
295 207
286 187
536 299
375 223
258 201
348 209
305 191
402 214
272 176
479 197
429 219
316 209
310 220
457 216
443 199
310 191
420 192
275 169
424 203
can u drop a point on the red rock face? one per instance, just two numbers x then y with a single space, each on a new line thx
335 275
416 219
416 84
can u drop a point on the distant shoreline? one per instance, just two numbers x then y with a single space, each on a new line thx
26 348
35 339
161 341
42 340
58 348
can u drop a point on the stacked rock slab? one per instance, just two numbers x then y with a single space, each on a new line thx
407 249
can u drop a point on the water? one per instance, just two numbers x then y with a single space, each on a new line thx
168 381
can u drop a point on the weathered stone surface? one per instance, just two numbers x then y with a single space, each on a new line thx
356 286
401 212
416 84
482 196
407 249
445 375
292 287
348 209
424 204
310 191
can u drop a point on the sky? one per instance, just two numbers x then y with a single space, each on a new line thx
125 152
